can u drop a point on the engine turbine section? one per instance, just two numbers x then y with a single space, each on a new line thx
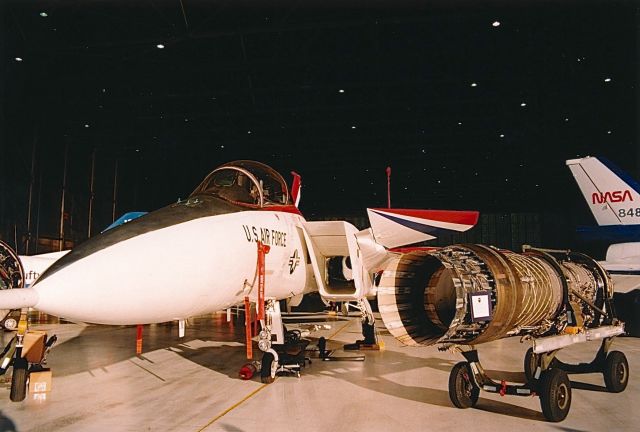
11 272
471 294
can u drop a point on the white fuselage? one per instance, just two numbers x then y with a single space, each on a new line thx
198 266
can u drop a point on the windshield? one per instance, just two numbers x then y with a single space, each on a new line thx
246 182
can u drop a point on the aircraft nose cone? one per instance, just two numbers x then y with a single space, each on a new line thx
160 219
93 246
160 267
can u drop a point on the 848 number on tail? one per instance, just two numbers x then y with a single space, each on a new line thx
630 212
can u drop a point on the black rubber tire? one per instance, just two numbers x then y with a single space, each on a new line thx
463 391
530 365
555 394
19 383
616 372
265 368
9 323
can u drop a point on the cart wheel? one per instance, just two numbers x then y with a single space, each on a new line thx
530 365
555 394
19 381
267 374
463 391
616 372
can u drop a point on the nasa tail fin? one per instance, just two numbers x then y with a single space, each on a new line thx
612 195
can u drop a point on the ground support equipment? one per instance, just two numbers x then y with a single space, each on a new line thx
547 377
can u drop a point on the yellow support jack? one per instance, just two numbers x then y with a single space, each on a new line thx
26 352
20 363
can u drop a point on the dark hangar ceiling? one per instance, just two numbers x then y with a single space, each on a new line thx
473 104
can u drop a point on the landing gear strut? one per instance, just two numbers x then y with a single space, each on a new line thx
284 351
370 341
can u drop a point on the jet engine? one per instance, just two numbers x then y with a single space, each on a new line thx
470 294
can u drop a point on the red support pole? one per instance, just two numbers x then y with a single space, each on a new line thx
247 327
262 251
254 318
139 339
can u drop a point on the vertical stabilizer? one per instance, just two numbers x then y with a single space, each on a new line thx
612 195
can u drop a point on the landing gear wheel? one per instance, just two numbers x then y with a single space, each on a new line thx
530 365
463 391
555 394
10 324
616 372
267 368
19 381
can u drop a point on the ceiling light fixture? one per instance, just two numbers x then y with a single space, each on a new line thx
160 46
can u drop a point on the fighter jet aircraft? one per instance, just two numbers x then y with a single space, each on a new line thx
206 254
200 255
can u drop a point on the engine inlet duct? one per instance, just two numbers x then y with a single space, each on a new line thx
471 294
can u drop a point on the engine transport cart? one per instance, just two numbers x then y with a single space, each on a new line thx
547 377
27 352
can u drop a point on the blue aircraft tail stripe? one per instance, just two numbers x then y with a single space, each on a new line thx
620 173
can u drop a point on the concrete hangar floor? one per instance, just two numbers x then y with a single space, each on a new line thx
192 384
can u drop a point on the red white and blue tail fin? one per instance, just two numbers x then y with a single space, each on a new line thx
398 227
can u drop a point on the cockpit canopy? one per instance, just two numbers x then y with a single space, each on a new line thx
247 183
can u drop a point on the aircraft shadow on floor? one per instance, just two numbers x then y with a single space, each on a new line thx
391 362
209 342
215 347
218 350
